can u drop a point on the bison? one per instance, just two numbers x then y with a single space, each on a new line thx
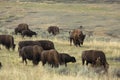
31 53
45 44
21 27
92 56
7 41
28 33
53 29
77 37
65 58
22 44
51 57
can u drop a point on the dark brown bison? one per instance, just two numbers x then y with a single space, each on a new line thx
0 65
21 27
51 57
53 29
77 37
45 44
22 44
28 33
31 53
7 41
91 56
65 58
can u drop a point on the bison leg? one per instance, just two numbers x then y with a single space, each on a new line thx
43 63
83 61
24 59
35 62
65 64
7 47
79 44
87 63
71 41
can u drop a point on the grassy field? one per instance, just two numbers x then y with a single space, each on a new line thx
100 19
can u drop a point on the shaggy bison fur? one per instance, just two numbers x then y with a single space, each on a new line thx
7 41
53 29
22 44
51 57
77 37
65 58
31 53
45 44
93 56
28 33
21 27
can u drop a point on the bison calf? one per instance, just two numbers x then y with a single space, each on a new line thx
28 33
65 58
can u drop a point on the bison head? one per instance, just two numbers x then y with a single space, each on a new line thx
73 59
34 33
81 39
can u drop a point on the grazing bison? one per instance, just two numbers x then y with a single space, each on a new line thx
28 33
31 53
91 56
21 27
22 44
77 37
51 57
65 58
53 29
7 41
45 44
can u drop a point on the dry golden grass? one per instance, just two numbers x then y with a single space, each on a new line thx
13 69
41 15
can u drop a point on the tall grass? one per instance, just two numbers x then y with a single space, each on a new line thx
39 16
14 69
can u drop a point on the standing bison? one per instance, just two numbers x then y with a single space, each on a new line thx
31 53
22 44
53 29
7 41
21 27
91 56
28 33
65 58
51 57
45 44
77 37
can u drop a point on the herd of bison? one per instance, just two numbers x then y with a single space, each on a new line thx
44 50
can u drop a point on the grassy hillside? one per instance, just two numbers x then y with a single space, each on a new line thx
100 19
